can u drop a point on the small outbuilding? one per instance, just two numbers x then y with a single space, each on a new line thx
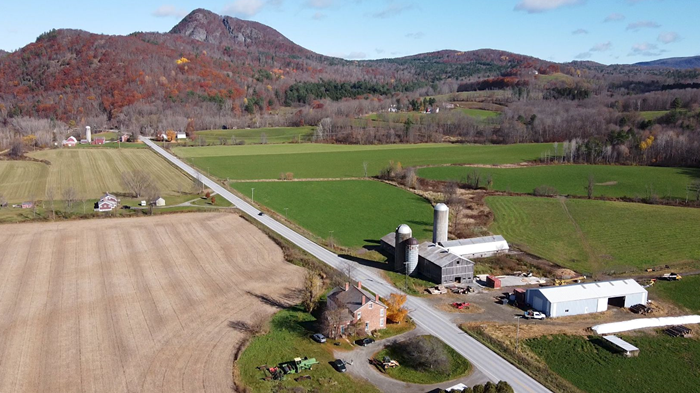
160 201
181 135
478 247
586 298
627 349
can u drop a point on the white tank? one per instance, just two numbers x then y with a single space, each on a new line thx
411 256
88 134
441 219
403 233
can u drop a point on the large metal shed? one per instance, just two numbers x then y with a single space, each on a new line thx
586 298
477 247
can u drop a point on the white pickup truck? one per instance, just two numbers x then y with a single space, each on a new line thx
534 315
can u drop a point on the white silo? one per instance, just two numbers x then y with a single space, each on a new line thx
441 219
88 134
411 256
403 233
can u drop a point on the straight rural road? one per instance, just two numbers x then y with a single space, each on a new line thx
433 321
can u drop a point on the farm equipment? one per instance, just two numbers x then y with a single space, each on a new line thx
437 290
567 281
671 277
461 305
295 366
648 283
641 309
678 331
461 290
387 362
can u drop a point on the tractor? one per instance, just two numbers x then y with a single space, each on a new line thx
461 305
295 366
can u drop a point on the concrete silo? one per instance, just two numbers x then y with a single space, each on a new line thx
88 134
403 233
411 256
441 219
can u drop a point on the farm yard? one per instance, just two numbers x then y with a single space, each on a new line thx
611 181
91 172
145 306
598 236
358 212
307 161
664 363
255 135
683 292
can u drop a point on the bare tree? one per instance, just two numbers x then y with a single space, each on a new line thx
590 186
137 181
313 288
51 197
364 166
263 138
3 201
69 197
332 318
424 353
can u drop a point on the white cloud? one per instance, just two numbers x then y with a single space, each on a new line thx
643 24
669 37
165 11
319 3
584 55
614 17
392 9
379 51
603 47
355 56
416 36
579 31
318 16
646 49
534 6
245 8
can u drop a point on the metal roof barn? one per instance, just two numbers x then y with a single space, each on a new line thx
586 298
478 247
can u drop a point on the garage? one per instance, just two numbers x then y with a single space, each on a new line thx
586 298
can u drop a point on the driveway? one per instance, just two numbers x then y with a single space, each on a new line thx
361 368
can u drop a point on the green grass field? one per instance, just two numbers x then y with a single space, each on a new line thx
480 114
652 115
598 236
357 211
312 160
459 366
289 338
664 364
683 293
611 181
91 172
253 135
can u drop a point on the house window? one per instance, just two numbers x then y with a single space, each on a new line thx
342 329
370 306
367 326
381 322
381 312
359 315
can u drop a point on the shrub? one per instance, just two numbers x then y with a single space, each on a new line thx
545 190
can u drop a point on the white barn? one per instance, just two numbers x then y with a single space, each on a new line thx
478 247
585 298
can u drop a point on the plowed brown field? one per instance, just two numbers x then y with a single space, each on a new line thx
132 305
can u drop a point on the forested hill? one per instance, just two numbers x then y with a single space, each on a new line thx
674 62
3 53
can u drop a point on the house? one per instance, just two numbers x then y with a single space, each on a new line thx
159 201
353 307
27 205
181 135
99 141
161 136
107 203
448 105
586 298
123 138
70 142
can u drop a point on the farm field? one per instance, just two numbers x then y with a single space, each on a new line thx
598 236
253 135
91 172
147 311
611 181
664 363
480 114
312 160
683 293
358 212
652 115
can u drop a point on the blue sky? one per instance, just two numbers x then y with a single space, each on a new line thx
607 31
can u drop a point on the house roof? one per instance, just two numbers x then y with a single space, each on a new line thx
472 241
352 298
593 290
438 255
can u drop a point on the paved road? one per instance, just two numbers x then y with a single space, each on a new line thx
431 320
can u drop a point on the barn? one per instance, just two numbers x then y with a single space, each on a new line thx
478 247
585 298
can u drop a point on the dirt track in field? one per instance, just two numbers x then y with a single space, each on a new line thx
133 305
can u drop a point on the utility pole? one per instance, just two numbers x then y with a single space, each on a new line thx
517 335
252 195
330 240
285 213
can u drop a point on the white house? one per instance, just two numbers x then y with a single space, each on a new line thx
107 203
160 201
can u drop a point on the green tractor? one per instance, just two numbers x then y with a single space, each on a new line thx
295 366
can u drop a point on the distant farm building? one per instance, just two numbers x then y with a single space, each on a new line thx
70 142
181 135
27 205
159 202
354 306
99 141
124 138
107 203
586 298
478 247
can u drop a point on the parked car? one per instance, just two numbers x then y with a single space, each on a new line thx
261 214
127 207
534 315
319 338
363 342
339 365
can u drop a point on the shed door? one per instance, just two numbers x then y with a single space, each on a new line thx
602 304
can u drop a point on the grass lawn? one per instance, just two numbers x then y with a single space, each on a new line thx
113 145
598 235
664 364
480 114
612 181
683 293
459 367
218 201
253 135
289 338
342 161
652 115
91 172
359 212
416 286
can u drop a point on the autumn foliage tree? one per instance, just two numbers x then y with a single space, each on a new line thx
396 312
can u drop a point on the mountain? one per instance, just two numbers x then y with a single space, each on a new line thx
673 62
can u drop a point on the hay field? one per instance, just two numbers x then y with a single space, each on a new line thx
133 305
91 172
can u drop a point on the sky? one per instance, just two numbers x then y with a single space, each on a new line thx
606 31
